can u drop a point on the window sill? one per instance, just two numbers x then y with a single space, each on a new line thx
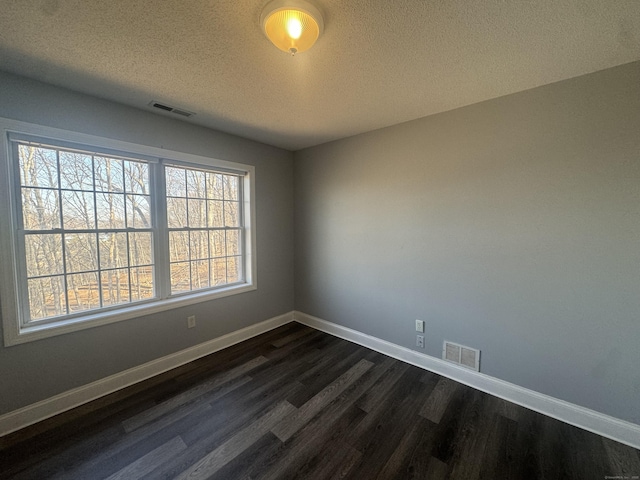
34 332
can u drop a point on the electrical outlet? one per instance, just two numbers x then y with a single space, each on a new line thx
191 321
419 326
420 341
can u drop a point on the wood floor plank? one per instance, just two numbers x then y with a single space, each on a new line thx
56 436
289 364
437 469
508 409
338 418
367 430
325 372
149 461
164 428
434 407
478 417
54 458
398 462
228 417
588 459
526 446
291 337
305 445
376 394
152 413
418 465
336 461
110 462
233 356
552 453
450 425
495 456
215 460
390 427
622 462
285 429
506 466
229 414
311 340
316 452
337 357
250 463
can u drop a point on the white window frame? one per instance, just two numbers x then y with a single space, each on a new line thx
15 332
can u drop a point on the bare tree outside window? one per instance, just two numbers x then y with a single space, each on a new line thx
87 230
205 233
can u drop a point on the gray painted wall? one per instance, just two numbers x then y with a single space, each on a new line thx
512 226
37 370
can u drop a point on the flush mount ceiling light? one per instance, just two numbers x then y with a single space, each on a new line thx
292 25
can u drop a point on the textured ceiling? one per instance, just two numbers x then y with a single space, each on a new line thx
378 63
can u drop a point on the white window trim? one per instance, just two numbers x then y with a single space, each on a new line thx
14 333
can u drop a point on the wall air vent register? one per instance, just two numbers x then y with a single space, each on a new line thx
459 354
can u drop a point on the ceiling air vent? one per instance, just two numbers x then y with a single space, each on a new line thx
168 108
461 355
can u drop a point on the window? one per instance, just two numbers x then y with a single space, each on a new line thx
101 234
86 230
205 234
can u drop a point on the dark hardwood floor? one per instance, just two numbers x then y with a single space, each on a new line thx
298 403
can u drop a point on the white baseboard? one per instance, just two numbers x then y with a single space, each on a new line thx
44 409
590 420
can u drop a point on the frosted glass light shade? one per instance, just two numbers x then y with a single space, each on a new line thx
292 25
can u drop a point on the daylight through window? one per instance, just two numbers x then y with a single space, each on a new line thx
205 234
87 230
97 232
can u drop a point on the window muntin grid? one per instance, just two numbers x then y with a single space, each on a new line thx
86 228
204 216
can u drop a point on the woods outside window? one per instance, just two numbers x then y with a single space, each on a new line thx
99 234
